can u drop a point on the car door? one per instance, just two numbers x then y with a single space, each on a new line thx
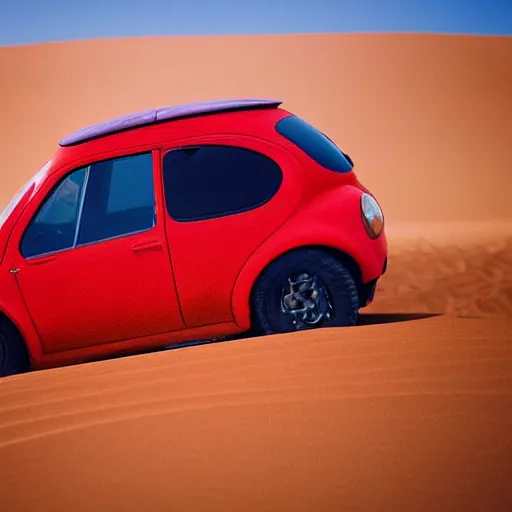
224 196
93 264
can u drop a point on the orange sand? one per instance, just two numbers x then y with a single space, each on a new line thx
404 416
399 413
427 119
461 270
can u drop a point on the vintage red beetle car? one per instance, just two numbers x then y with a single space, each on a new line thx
184 223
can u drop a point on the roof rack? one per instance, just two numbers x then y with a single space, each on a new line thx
156 115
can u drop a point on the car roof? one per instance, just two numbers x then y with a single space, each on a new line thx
157 115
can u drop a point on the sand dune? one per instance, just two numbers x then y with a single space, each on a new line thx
460 270
426 118
404 416
405 411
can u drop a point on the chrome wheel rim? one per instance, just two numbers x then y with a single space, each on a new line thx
306 300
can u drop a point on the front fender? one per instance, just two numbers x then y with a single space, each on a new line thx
333 221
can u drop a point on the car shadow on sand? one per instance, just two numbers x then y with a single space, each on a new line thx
364 319
388 318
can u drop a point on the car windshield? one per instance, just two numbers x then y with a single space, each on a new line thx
5 214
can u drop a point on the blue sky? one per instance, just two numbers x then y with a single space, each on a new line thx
34 21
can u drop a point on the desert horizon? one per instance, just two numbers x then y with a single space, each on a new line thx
414 111
410 410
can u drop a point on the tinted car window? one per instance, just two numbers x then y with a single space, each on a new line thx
129 186
314 143
53 227
214 181
119 199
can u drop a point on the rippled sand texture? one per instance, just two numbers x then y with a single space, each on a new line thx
404 416
462 275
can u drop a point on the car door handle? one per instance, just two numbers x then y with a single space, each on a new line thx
147 246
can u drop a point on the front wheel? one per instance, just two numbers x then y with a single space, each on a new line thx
304 289
13 352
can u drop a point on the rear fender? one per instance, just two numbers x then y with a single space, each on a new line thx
314 227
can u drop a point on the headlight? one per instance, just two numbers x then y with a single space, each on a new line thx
373 218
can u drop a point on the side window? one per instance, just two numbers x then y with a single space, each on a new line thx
129 186
314 143
119 199
54 225
205 182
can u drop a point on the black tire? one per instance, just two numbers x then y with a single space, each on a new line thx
14 356
331 274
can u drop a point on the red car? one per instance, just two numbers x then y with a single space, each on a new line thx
184 223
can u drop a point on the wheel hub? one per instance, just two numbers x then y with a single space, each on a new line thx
306 300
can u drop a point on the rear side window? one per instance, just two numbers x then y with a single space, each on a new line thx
205 182
314 143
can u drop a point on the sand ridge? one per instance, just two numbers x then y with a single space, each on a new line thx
426 118
457 271
306 420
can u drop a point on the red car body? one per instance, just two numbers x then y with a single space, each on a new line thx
176 281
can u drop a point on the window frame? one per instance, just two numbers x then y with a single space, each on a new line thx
224 143
62 176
